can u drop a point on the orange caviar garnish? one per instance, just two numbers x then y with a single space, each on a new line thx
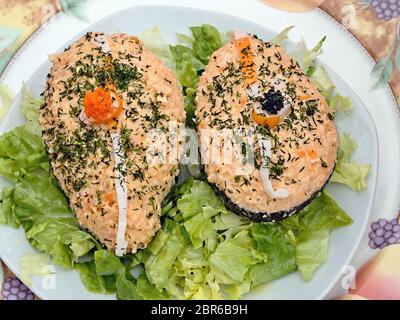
301 153
246 60
305 97
312 154
265 120
111 197
102 106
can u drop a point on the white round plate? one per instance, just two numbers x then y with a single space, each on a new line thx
351 64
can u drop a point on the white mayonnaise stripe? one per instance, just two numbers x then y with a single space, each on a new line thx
265 149
120 181
122 194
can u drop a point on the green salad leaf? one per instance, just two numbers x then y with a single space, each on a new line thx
190 60
340 103
282 36
311 227
352 174
185 55
321 214
93 282
7 212
311 251
280 253
232 258
207 40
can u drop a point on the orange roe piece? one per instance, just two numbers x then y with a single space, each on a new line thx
301 153
312 154
110 197
246 60
305 97
266 120
99 106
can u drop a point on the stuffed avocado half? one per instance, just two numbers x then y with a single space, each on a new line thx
254 100
105 95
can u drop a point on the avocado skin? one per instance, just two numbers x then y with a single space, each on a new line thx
269 217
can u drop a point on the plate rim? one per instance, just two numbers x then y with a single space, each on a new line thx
26 44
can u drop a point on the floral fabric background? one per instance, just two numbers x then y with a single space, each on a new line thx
375 23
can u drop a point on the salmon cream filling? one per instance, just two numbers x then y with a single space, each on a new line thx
260 118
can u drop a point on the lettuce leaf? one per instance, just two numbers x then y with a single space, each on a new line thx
321 214
207 39
282 36
30 110
340 103
233 257
190 60
201 195
108 274
93 282
352 174
280 252
159 267
7 212
311 228
200 226
184 55
311 251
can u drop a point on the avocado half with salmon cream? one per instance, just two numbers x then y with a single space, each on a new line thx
255 88
104 94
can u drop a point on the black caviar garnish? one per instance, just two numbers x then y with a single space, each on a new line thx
272 101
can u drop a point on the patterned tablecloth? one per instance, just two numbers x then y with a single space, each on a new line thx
375 23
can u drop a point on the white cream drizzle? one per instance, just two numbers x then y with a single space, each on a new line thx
122 194
265 149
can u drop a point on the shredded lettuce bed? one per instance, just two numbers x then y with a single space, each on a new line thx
203 251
